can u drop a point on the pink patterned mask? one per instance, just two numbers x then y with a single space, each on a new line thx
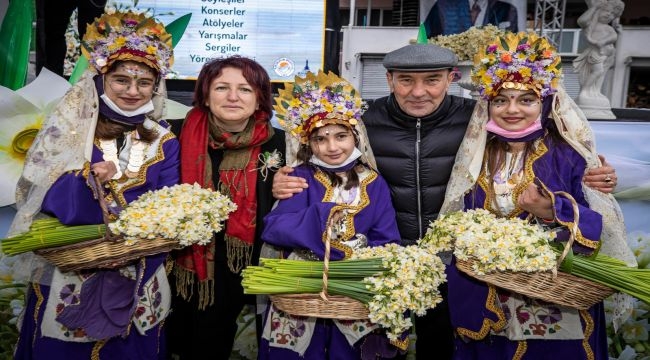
519 135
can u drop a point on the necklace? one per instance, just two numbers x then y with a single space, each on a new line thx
506 180
136 156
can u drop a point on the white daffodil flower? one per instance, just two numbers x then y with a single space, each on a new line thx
21 115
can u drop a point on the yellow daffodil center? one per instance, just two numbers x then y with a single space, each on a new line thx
22 141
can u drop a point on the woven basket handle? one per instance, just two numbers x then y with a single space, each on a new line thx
326 260
98 193
573 230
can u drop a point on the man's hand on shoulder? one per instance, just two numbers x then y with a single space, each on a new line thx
602 178
284 186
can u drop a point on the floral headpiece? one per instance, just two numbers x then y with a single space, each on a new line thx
127 36
521 61
316 100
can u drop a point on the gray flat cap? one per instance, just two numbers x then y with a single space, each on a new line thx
420 57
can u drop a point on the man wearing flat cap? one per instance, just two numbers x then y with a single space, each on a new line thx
414 134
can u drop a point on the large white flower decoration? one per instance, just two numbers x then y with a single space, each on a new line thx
21 115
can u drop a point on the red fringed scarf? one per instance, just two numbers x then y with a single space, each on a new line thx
238 177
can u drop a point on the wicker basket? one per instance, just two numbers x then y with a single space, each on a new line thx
103 253
108 252
565 289
560 288
321 305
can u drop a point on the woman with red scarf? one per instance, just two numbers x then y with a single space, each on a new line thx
227 144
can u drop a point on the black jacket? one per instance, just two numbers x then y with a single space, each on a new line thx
416 171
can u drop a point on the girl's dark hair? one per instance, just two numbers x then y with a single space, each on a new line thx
108 130
305 153
252 71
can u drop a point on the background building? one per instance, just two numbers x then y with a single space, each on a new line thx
396 23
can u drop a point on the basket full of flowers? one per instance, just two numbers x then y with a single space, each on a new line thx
158 221
521 257
381 284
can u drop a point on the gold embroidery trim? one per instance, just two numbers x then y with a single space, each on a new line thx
349 221
522 347
485 182
37 308
94 355
400 344
118 188
592 244
488 324
589 329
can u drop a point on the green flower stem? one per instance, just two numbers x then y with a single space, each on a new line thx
46 233
613 273
279 276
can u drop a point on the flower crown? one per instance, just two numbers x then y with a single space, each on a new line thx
521 61
316 100
127 36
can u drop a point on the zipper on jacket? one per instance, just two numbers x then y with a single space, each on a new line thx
418 125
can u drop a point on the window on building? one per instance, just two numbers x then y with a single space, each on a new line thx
378 17
638 91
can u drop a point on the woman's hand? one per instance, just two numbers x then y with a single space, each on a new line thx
534 200
103 171
602 178
284 186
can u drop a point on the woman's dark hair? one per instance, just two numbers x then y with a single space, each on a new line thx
108 130
304 154
252 71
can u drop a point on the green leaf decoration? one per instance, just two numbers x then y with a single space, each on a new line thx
79 68
15 37
523 40
504 44
175 28
422 35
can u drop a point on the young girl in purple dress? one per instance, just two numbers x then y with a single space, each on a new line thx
347 201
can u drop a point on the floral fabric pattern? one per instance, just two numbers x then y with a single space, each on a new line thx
532 319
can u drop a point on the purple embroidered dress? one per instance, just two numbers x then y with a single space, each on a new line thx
297 225
483 316
105 314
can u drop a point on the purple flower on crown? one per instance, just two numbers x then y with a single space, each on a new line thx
523 47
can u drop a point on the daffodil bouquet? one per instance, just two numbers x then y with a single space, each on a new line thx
501 244
497 244
184 212
390 280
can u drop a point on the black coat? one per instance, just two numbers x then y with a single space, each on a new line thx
417 172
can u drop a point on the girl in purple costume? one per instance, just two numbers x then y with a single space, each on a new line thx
108 126
526 141
347 200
